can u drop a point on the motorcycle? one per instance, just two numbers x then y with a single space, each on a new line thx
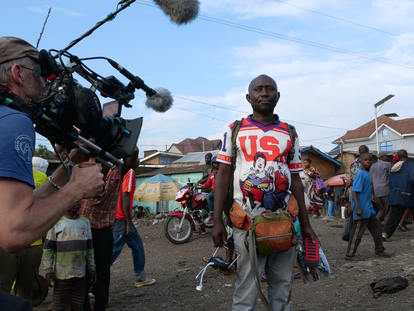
194 212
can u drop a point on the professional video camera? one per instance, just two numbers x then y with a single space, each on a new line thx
64 107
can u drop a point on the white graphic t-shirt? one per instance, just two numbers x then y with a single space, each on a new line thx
262 177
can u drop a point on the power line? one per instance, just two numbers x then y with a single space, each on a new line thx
344 20
326 144
323 138
306 42
216 106
202 114
247 113
221 107
397 7
297 40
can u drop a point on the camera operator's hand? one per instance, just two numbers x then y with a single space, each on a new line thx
77 156
88 180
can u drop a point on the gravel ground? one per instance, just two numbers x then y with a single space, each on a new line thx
176 266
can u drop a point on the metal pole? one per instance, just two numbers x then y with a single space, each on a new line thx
382 101
376 131
342 155
110 17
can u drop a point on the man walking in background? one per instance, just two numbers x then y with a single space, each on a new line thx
380 177
125 231
401 192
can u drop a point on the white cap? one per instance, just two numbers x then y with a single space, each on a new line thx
40 164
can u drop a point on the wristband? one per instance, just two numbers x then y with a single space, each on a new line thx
53 183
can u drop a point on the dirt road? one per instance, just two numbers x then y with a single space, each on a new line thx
176 266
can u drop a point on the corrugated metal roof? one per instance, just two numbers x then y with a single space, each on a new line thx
320 154
335 151
161 153
190 145
196 157
174 170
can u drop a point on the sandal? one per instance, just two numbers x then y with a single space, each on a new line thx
384 255
351 258
402 228
225 272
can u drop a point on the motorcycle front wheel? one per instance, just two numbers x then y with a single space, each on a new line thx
176 234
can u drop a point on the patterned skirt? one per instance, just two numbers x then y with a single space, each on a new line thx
315 199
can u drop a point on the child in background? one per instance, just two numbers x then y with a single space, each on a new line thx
67 253
364 214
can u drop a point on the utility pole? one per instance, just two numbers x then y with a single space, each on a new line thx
382 101
342 155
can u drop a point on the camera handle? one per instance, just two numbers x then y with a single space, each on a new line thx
98 150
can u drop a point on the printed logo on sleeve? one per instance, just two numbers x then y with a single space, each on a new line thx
24 147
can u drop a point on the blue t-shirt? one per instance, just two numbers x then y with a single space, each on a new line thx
16 145
362 186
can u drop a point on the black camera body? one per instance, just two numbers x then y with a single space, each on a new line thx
64 107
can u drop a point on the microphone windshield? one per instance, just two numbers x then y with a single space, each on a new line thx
161 101
180 11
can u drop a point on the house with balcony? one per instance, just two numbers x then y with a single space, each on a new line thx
393 135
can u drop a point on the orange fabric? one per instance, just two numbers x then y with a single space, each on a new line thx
239 218
274 234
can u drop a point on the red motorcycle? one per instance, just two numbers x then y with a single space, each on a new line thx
193 212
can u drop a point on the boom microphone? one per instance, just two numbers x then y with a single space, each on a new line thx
180 11
161 101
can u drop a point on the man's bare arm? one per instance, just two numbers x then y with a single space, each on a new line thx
126 206
357 206
297 190
220 194
25 216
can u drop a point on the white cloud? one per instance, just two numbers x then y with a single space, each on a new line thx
66 12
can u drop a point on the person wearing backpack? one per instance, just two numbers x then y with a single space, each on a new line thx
257 163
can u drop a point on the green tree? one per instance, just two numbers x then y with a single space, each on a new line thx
42 152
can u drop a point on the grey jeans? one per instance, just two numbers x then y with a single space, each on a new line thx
279 268
384 212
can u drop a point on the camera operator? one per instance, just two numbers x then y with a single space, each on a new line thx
26 215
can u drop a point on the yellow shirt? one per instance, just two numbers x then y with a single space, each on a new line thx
39 178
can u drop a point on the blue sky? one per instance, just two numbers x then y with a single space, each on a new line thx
208 63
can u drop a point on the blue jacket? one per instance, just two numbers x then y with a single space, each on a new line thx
402 186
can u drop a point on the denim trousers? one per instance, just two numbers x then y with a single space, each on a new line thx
134 243
331 208
210 202
279 269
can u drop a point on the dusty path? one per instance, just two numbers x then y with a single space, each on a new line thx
176 266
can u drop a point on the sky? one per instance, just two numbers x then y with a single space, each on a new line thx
332 60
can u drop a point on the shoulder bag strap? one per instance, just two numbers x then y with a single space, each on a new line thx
292 135
256 272
234 133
